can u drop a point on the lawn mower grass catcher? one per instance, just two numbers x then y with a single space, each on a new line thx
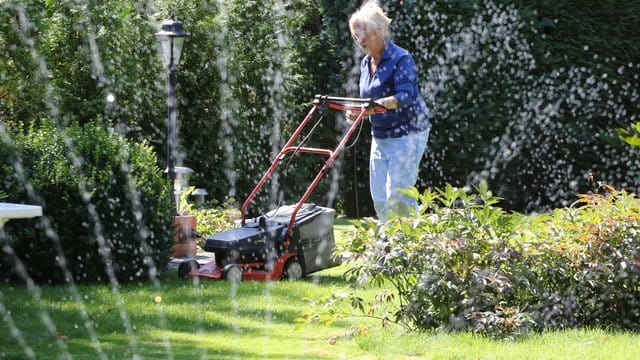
292 240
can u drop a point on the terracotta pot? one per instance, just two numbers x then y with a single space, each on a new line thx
186 244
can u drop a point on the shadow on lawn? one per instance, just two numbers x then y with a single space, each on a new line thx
204 313
119 346
206 308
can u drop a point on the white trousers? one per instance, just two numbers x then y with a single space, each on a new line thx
394 164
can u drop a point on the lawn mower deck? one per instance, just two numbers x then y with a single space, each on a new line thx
259 249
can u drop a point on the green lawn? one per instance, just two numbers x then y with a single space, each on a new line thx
252 320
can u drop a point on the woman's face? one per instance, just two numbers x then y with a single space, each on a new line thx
369 41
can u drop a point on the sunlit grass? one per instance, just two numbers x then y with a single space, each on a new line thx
571 344
250 320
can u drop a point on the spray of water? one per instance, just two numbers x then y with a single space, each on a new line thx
489 56
492 41
133 194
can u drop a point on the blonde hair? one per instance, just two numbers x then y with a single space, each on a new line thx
372 17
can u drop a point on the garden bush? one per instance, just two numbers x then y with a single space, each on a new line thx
464 264
106 204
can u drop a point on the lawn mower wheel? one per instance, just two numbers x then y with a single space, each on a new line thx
186 267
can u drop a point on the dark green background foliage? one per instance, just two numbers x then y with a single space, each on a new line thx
61 60
523 93
244 89
105 202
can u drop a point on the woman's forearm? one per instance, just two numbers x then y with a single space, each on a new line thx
389 102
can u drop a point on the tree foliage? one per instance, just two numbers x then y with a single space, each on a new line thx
523 93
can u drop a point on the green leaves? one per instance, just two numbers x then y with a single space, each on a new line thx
464 264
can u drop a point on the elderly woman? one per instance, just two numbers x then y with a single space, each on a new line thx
399 137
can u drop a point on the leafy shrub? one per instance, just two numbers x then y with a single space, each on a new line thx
452 266
595 248
463 264
106 204
214 220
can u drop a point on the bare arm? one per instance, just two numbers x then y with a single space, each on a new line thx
389 102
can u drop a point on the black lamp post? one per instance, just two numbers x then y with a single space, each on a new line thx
171 37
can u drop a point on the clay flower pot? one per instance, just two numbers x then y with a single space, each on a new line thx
186 244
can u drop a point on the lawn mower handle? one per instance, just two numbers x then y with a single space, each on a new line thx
362 106
346 103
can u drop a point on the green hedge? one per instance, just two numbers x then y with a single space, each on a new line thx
524 94
250 73
106 206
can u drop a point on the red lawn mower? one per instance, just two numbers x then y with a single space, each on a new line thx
290 241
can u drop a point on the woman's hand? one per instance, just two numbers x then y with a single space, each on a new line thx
388 103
